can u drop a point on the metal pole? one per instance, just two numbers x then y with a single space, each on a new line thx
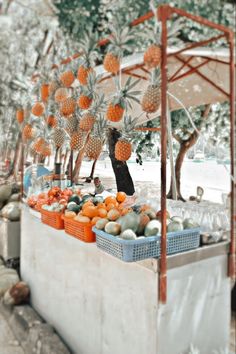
170 144
22 170
71 167
163 12
231 262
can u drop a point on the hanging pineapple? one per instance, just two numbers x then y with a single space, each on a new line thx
20 115
88 119
120 41
152 96
51 121
61 94
87 93
53 86
121 101
67 78
87 122
38 109
77 140
71 124
38 144
68 106
44 92
90 54
123 147
153 54
28 132
96 140
46 150
59 136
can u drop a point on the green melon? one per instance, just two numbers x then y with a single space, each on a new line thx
174 226
189 224
128 235
152 228
113 228
129 221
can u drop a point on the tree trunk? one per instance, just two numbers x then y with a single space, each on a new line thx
78 162
185 145
90 178
124 180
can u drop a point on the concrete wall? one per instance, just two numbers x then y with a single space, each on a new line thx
101 305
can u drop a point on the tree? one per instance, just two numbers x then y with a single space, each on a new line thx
124 181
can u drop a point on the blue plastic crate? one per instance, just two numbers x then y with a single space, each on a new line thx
184 240
149 247
128 250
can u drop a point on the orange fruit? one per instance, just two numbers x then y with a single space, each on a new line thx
102 212
86 204
120 197
110 199
101 206
110 206
95 219
90 211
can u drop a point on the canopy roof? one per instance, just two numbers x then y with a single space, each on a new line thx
197 76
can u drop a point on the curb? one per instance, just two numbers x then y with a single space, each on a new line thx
32 333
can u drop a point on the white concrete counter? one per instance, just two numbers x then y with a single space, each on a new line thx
101 305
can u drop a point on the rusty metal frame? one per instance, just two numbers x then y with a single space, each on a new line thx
164 13
202 76
190 71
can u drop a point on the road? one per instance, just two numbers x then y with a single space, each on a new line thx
212 177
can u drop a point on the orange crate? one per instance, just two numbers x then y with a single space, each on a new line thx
79 230
52 218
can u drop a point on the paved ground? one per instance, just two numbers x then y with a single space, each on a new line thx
8 343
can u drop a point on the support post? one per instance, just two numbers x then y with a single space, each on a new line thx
22 170
170 144
163 14
231 262
71 167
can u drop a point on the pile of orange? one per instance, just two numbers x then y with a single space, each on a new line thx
111 209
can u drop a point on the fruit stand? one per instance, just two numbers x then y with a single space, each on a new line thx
101 304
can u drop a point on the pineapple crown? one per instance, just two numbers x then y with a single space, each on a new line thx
98 105
152 34
89 49
125 95
156 77
121 39
129 123
92 81
99 128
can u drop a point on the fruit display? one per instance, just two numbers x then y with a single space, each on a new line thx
139 221
54 195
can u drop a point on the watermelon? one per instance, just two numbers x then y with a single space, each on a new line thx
75 198
97 200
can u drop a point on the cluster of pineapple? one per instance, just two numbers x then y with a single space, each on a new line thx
65 112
